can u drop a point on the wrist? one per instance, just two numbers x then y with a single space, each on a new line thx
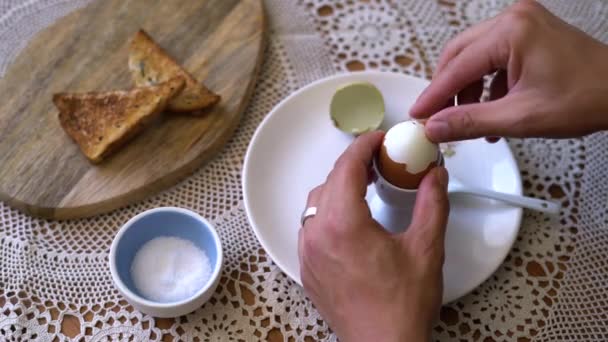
397 332
418 334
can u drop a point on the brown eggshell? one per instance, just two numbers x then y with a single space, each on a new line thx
396 173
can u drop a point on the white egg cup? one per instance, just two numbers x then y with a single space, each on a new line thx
392 206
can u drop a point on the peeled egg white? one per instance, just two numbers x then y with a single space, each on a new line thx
407 155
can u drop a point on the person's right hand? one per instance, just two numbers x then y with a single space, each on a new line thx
552 80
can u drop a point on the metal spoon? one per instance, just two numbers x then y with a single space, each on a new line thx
551 207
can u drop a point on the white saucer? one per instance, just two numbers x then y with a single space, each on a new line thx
296 145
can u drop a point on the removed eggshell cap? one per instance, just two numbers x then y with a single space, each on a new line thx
357 108
406 143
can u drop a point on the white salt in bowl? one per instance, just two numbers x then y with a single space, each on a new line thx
164 222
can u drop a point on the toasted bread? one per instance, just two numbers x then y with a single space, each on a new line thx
101 122
150 64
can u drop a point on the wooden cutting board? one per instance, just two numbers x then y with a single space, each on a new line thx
42 171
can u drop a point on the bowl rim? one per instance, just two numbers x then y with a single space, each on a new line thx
124 289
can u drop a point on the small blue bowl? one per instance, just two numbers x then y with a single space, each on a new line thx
172 222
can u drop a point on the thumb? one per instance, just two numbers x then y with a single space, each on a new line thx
501 117
431 211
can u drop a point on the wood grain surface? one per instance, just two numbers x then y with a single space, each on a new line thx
42 171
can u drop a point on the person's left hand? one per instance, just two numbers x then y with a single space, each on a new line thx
367 284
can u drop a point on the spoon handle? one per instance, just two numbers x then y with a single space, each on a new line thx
550 207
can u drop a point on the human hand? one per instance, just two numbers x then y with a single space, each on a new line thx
367 284
551 80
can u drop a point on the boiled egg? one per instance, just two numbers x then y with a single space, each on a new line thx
407 155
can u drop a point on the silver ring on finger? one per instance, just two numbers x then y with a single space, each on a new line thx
308 213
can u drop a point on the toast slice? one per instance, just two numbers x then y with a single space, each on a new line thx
150 64
101 122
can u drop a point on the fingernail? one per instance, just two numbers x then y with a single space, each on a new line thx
442 177
492 140
437 130
414 111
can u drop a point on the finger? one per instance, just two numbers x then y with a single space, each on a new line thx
498 86
474 62
307 276
431 211
504 117
462 40
301 247
314 196
349 178
343 202
498 89
371 176
471 93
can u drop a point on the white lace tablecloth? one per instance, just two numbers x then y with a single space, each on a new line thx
55 283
